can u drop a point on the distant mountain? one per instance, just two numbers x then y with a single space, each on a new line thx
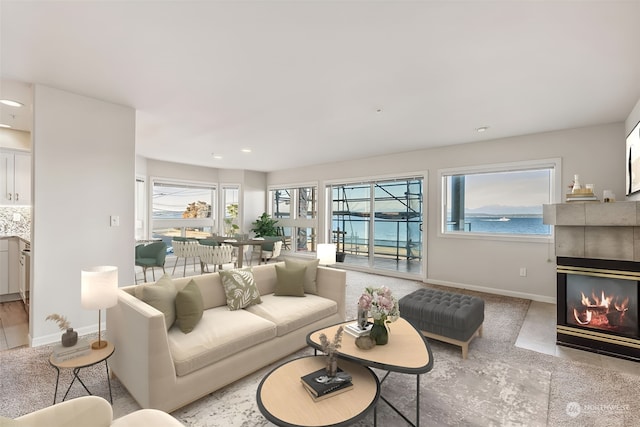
506 210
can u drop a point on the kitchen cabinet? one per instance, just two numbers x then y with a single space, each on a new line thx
4 266
9 266
15 177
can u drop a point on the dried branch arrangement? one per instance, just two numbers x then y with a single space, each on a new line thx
62 321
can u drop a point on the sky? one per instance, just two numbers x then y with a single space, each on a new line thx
522 188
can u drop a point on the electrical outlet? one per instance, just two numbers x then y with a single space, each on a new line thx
115 220
523 271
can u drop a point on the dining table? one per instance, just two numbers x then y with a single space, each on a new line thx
240 243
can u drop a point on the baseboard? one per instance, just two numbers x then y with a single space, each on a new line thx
503 292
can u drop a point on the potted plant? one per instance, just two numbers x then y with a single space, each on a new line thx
230 227
265 226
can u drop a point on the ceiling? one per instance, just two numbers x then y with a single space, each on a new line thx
310 82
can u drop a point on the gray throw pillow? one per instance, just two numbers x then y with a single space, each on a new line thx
309 275
162 296
240 288
290 281
189 307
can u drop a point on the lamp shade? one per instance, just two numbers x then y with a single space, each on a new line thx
326 253
99 287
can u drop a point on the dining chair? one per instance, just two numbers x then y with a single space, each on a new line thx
215 255
268 255
151 255
184 248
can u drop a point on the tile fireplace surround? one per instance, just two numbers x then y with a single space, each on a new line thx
596 230
598 274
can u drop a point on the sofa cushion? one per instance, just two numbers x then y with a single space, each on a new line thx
189 307
290 281
292 313
240 288
220 334
161 296
311 272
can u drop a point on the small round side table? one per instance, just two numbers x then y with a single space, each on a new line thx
92 358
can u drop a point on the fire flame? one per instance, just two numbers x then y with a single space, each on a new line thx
595 309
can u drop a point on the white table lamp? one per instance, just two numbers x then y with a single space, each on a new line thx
326 253
99 286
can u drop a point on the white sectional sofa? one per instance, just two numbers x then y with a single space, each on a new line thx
167 369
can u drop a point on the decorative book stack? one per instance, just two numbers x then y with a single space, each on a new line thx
60 353
355 330
582 195
320 386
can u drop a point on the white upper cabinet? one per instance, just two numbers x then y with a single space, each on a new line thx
15 178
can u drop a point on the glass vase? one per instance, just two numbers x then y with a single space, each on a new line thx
379 332
363 317
332 365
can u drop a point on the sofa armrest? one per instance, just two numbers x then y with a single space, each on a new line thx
142 360
86 411
147 417
332 283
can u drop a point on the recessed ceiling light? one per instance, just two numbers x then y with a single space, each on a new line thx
216 156
2 125
11 103
482 129
246 150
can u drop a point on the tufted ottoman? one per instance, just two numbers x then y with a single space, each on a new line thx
444 316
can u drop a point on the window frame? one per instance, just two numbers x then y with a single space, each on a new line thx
555 193
294 222
183 223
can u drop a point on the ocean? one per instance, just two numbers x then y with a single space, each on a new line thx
514 225
388 231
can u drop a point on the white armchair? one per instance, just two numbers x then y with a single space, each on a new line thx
90 411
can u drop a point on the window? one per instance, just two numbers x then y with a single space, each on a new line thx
231 209
296 210
183 209
498 200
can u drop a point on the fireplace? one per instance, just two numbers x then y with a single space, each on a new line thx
598 306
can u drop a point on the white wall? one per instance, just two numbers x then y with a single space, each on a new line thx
629 124
83 159
255 198
595 153
633 118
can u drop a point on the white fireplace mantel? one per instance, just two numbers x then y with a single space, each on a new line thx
596 230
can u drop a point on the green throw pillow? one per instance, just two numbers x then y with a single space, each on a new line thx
240 288
290 281
309 276
161 296
189 307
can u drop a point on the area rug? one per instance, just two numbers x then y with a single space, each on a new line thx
498 385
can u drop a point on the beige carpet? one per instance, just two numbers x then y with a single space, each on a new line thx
498 385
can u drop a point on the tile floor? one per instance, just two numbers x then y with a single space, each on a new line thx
538 333
14 325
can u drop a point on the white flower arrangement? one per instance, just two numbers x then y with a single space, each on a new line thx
380 304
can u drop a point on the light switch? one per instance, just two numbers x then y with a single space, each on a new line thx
115 221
